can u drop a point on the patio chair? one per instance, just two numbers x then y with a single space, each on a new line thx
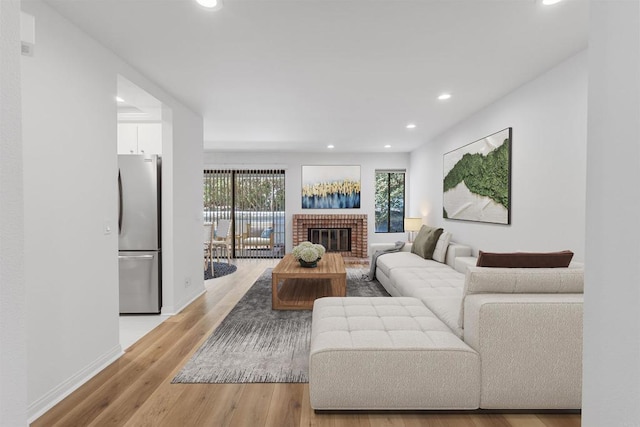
262 240
222 239
207 239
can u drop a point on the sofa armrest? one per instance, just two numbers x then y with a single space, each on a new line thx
384 246
454 251
462 263
530 349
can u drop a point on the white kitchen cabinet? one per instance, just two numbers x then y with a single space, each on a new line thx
127 138
150 138
139 138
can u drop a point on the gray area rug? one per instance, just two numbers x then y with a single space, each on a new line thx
255 344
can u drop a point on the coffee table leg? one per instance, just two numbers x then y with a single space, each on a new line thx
274 292
339 286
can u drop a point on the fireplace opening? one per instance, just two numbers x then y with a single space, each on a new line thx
333 239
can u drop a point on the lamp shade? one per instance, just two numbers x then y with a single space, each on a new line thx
412 224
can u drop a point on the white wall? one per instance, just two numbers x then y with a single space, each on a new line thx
183 225
549 119
70 159
293 162
611 380
70 134
13 366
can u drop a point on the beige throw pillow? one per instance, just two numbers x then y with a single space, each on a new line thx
425 241
440 251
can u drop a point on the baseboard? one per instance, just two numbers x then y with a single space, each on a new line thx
172 311
55 396
167 311
450 411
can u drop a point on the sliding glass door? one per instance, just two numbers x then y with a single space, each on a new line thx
254 199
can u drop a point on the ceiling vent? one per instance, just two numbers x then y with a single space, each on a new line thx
132 113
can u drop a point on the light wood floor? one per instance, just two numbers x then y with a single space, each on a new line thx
136 390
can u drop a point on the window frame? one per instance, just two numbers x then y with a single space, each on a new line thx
388 172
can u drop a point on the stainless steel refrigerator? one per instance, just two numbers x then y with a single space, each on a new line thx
140 254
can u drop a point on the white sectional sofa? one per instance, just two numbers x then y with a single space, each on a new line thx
454 336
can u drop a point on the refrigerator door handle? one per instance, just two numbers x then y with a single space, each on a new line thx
119 202
135 256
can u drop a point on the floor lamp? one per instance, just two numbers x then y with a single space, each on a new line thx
411 225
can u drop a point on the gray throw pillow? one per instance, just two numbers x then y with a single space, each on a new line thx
417 246
425 242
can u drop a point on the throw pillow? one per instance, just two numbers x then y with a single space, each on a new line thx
525 259
420 239
425 242
440 251
266 233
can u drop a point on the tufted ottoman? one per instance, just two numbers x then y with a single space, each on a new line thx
388 354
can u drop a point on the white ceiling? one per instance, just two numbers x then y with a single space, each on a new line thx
300 74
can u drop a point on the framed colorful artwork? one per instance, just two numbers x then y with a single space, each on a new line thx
330 187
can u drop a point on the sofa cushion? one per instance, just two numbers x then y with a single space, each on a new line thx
437 281
425 243
266 233
439 288
388 354
447 309
388 262
357 321
256 241
440 250
525 259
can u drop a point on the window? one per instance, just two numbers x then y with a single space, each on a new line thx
390 201
254 199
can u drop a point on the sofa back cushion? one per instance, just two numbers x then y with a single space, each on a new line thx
482 280
525 259
425 242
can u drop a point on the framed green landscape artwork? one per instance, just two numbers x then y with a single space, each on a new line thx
477 180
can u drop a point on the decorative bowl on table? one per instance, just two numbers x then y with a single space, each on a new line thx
308 254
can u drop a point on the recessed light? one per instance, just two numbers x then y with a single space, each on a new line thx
411 126
387 146
210 4
550 2
119 99
330 146
444 96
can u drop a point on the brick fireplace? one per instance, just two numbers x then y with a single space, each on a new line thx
357 223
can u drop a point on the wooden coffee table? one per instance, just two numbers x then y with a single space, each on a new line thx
301 286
